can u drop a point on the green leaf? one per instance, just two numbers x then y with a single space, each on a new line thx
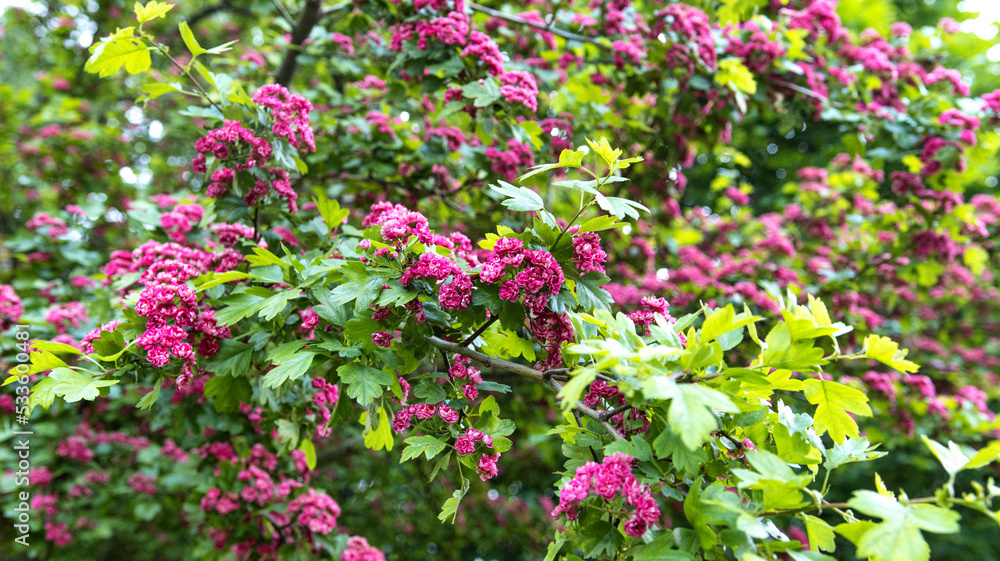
237 307
331 212
518 198
620 207
151 10
898 537
364 383
600 223
150 398
571 392
692 409
685 460
274 305
953 458
821 536
215 279
229 392
119 49
887 351
309 449
377 436
833 402
190 41
232 359
449 510
71 385
427 445
57 348
290 368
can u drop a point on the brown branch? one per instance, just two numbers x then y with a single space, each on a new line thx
547 28
522 370
486 360
308 19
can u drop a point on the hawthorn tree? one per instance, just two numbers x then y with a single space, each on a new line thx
429 278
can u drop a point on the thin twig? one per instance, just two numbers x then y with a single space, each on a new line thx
187 72
539 26
521 370
468 341
620 409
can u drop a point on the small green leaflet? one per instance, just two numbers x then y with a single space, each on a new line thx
377 436
692 409
620 207
290 368
119 49
450 508
69 384
151 10
833 402
887 351
427 445
518 198
309 449
229 393
364 383
898 537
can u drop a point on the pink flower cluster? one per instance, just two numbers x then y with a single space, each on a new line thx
11 307
290 113
466 444
690 26
588 255
540 276
220 502
460 369
235 143
608 480
518 86
170 306
509 163
606 398
324 400
229 234
64 315
551 330
455 295
359 550
316 511
423 411
55 227
178 222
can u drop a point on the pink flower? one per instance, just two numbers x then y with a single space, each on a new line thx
382 339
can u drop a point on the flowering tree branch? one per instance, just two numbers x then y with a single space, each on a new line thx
521 370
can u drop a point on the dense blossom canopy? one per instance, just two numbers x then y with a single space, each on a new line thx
393 279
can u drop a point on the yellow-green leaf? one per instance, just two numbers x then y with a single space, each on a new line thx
833 402
151 10
189 40
887 351
733 74
117 50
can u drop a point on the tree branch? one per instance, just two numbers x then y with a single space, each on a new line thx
485 360
539 26
308 19
521 370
